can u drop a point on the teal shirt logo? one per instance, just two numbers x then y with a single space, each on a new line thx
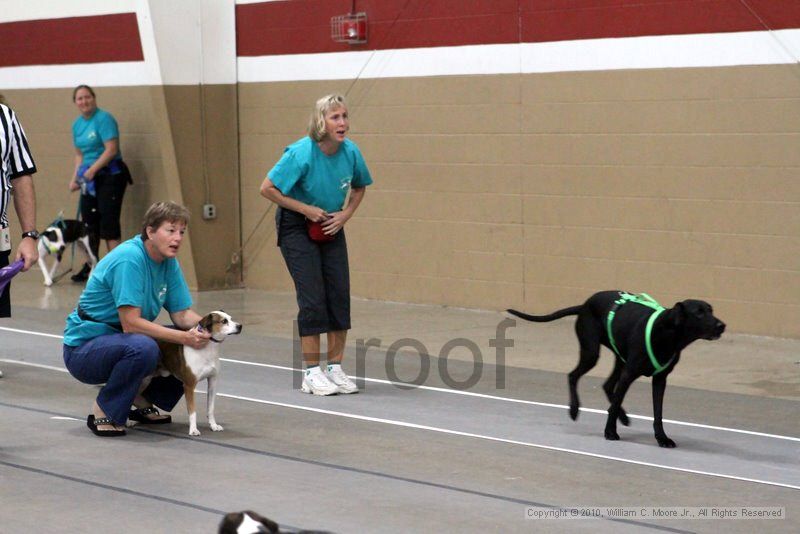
162 294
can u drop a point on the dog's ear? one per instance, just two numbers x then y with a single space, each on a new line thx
678 314
230 523
206 322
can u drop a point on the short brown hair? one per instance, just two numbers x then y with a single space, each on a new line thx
75 91
161 212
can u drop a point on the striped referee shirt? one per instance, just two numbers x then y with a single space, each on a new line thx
15 157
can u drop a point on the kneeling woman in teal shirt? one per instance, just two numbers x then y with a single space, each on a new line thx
110 337
310 184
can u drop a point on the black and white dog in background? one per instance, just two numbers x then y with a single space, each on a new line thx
54 241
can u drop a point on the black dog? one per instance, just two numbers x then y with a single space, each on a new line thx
647 338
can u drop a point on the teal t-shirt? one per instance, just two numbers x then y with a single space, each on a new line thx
127 276
307 174
88 135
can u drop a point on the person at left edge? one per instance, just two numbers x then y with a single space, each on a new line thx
110 337
16 170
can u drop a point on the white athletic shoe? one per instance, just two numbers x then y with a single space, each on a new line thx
336 375
316 383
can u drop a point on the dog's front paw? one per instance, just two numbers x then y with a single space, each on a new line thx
573 411
194 432
215 427
612 435
664 441
48 283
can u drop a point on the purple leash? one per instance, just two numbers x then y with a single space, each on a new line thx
8 272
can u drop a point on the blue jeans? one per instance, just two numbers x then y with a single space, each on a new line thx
122 361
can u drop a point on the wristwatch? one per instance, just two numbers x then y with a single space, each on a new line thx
33 234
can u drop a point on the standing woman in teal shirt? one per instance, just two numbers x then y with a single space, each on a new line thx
318 184
100 173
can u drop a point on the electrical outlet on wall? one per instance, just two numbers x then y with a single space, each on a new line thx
209 211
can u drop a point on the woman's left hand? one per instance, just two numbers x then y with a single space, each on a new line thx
88 174
335 222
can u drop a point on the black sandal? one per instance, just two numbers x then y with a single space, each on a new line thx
93 423
140 415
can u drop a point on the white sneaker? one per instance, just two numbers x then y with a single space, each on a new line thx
336 375
316 383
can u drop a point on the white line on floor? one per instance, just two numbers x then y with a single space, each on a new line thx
532 403
31 364
473 394
503 440
471 435
31 332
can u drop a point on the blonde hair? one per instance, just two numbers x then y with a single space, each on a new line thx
316 125
163 211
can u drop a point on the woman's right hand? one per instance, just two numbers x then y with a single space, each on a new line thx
196 339
74 185
315 214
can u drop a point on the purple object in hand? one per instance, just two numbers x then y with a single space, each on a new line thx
8 272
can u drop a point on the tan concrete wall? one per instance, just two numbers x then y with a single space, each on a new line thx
145 141
534 191
204 133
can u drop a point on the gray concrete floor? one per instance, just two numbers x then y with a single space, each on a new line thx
392 458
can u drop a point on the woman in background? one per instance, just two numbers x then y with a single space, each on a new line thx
100 173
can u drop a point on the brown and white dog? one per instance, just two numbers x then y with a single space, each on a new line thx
190 366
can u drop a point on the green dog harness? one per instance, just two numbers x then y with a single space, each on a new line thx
645 300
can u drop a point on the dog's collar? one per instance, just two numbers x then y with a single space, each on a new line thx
201 329
645 300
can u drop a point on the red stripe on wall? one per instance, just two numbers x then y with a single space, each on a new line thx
303 26
557 20
96 39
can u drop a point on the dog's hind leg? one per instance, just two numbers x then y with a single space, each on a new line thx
84 241
589 338
212 393
610 384
625 381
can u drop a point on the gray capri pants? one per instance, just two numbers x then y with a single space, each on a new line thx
321 275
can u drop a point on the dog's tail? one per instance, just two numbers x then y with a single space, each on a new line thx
573 310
